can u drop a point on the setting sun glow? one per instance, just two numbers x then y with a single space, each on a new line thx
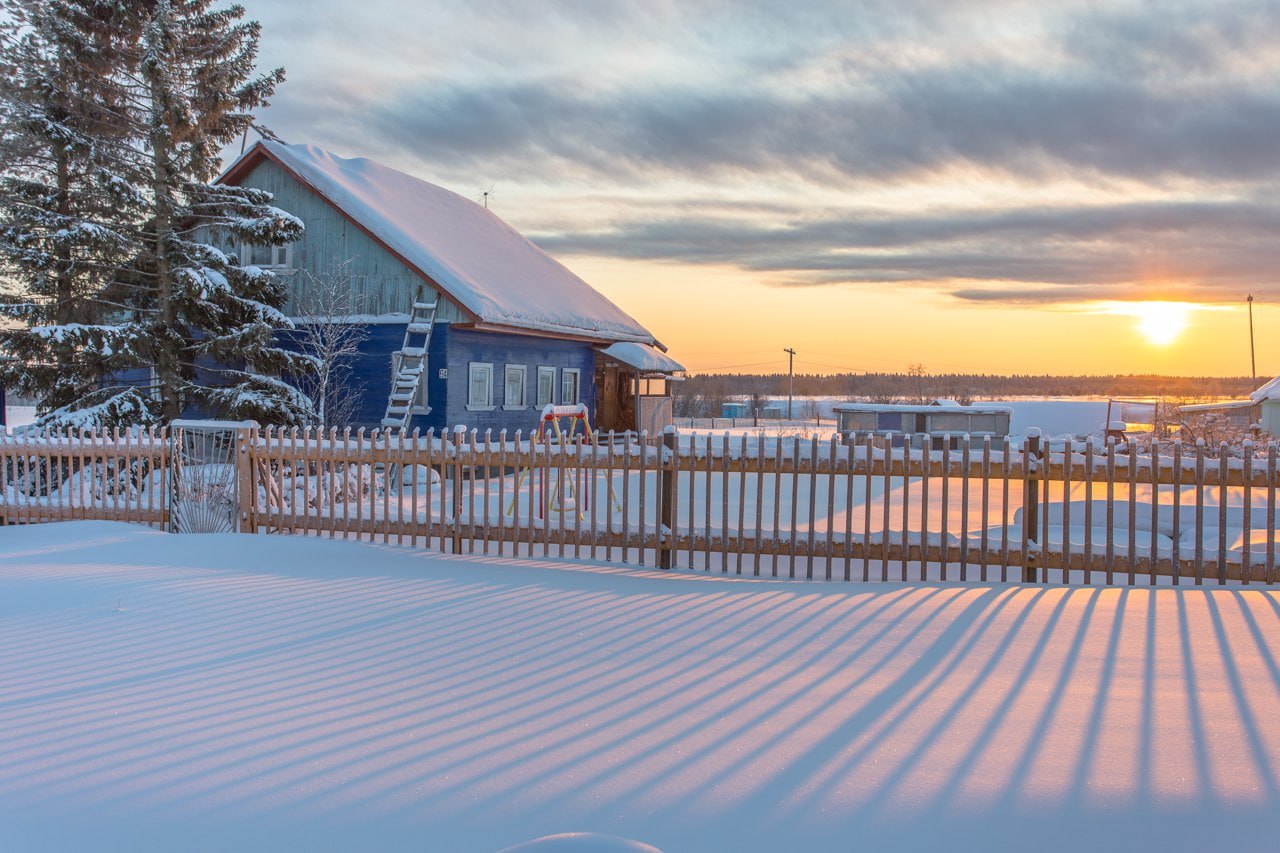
1160 323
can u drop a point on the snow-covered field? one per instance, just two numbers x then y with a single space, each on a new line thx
244 692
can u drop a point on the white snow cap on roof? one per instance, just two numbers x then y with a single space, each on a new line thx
1270 391
644 358
482 262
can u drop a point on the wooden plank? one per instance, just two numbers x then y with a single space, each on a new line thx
1223 454
1247 527
1200 514
831 501
966 454
1271 513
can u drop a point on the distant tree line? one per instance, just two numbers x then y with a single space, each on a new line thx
701 395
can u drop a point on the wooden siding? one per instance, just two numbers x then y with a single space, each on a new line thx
466 345
454 349
383 283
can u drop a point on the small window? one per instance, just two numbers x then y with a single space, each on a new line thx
267 257
569 386
546 386
516 375
480 386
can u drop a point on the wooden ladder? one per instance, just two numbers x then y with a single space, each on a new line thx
409 366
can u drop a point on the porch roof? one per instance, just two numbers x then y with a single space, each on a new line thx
642 357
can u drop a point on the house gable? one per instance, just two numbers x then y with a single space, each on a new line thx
383 284
500 279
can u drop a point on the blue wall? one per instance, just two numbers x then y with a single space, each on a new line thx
455 349
467 345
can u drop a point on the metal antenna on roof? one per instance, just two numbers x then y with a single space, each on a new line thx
484 196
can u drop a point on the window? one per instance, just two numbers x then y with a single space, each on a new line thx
515 386
480 386
546 386
569 386
267 257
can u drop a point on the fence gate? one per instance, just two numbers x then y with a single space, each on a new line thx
205 478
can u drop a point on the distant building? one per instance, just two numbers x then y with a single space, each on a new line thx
1260 409
942 420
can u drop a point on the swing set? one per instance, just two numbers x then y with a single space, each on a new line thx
558 493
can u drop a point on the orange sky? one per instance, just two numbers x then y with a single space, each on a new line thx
711 319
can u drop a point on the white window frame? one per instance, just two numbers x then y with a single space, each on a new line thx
576 373
548 373
475 369
508 373
281 256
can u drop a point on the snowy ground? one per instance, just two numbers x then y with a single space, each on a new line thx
270 693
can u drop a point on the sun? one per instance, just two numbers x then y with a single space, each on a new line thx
1160 323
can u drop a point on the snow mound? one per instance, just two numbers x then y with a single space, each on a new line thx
582 842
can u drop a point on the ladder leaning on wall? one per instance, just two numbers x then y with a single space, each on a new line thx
409 366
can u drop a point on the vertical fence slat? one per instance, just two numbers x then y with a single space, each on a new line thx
966 452
1006 454
943 527
904 539
832 458
926 459
757 549
795 505
1110 554
1198 556
1247 473
1223 456
1271 513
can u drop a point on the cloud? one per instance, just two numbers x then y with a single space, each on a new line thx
1204 251
781 123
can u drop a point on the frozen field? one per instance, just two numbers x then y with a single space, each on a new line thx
272 693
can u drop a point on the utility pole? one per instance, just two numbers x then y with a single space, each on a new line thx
1253 361
791 378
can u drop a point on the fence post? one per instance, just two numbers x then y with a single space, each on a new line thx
459 433
1033 460
667 497
246 489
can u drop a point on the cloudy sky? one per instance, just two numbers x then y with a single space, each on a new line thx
969 184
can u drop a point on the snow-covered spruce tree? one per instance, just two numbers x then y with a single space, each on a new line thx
67 214
203 321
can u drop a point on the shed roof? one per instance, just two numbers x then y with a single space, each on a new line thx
480 262
1269 391
927 409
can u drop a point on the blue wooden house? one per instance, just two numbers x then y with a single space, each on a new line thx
467 321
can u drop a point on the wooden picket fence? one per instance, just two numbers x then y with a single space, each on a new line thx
746 505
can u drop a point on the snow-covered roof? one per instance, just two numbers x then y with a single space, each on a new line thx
643 357
1270 391
928 409
491 270
1222 405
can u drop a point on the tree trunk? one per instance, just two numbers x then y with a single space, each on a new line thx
167 355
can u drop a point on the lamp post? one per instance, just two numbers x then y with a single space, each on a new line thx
791 378
1253 361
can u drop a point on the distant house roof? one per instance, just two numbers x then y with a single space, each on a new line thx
478 261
